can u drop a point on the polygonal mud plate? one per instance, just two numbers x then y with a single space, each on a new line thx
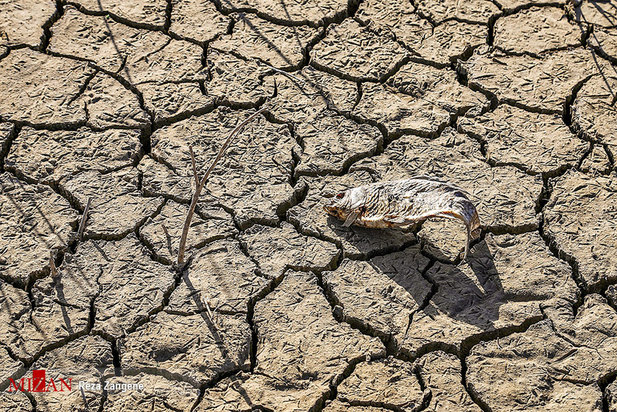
158 393
148 59
197 20
538 143
222 276
151 13
253 178
283 47
46 78
539 84
441 44
51 156
598 13
276 249
537 30
563 360
477 11
605 42
300 340
597 161
390 382
67 86
189 348
331 143
10 368
357 53
22 21
117 207
87 359
593 111
421 100
236 81
29 328
579 218
35 222
381 294
441 372
499 287
162 233
305 96
304 12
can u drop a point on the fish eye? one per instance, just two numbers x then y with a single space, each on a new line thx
340 195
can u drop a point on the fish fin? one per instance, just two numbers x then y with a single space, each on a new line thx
466 253
475 227
470 237
351 218
398 220
473 232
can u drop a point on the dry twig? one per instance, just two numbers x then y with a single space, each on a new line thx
52 265
84 217
194 167
283 72
199 184
83 396
210 316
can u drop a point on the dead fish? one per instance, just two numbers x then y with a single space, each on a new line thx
404 203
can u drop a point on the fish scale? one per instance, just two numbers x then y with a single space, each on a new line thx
403 203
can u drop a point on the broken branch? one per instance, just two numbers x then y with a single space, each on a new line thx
82 224
194 167
210 316
202 183
283 72
52 265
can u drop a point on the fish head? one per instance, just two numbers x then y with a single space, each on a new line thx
343 204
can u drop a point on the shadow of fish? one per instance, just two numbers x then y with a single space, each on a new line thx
404 203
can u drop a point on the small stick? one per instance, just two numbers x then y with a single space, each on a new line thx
82 224
209 311
202 183
83 395
194 167
283 72
52 265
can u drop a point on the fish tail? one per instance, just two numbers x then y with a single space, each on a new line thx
473 230
474 226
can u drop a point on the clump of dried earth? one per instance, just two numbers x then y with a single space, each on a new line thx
280 307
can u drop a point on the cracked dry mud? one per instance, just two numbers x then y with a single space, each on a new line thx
280 307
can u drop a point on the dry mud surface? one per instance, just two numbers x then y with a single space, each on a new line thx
281 308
